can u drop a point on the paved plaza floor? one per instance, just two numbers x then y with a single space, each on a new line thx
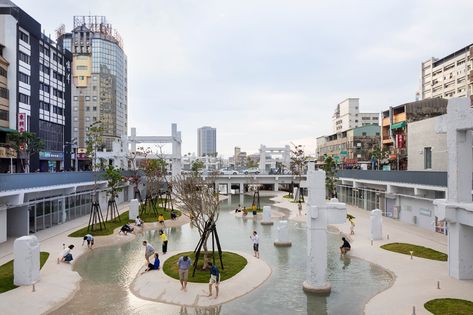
415 280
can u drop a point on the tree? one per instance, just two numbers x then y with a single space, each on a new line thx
379 154
197 165
200 202
94 141
25 144
330 176
298 164
114 180
251 163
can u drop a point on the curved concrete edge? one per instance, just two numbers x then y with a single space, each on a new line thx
58 282
324 289
158 287
282 244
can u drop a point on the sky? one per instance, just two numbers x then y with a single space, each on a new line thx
267 71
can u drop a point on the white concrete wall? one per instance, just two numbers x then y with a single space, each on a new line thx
419 208
421 134
18 221
3 224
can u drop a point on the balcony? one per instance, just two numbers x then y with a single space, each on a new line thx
399 117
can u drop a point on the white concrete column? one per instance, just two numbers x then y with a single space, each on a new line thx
26 263
283 234
266 216
3 224
316 269
276 186
376 225
242 188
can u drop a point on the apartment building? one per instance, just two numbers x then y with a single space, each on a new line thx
447 77
34 90
347 116
349 148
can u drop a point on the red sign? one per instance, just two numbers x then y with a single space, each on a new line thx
21 122
400 140
392 156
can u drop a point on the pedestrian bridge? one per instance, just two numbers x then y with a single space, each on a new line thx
240 183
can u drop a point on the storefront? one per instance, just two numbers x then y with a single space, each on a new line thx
51 161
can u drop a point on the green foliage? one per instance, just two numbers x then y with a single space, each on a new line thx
232 262
112 225
448 306
109 227
330 176
418 251
197 165
298 160
6 273
379 154
94 142
114 179
250 163
25 144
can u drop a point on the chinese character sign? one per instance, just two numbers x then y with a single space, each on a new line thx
21 122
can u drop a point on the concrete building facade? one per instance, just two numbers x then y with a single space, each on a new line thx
350 147
347 116
35 90
99 74
446 77
207 141
395 126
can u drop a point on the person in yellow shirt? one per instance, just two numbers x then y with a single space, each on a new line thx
161 219
164 240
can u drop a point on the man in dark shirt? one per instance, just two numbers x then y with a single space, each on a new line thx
345 247
214 279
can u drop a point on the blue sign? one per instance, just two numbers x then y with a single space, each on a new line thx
51 155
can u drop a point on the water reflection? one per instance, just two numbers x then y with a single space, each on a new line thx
108 272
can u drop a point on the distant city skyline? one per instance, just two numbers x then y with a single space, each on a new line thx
266 72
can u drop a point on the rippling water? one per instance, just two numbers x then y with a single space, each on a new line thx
108 272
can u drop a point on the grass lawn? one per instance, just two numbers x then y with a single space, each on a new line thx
418 251
287 196
232 262
6 273
110 226
449 307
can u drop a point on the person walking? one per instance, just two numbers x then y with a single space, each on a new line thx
184 264
214 279
345 247
255 239
149 251
164 240
90 241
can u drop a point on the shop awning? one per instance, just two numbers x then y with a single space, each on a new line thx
398 125
7 129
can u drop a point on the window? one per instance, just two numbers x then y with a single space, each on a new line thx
45 50
58 93
25 99
87 108
44 106
24 77
363 134
94 98
58 110
44 87
3 92
81 68
87 98
94 108
3 114
24 57
94 118
3 72
24 37
45 69
76 98
427 158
